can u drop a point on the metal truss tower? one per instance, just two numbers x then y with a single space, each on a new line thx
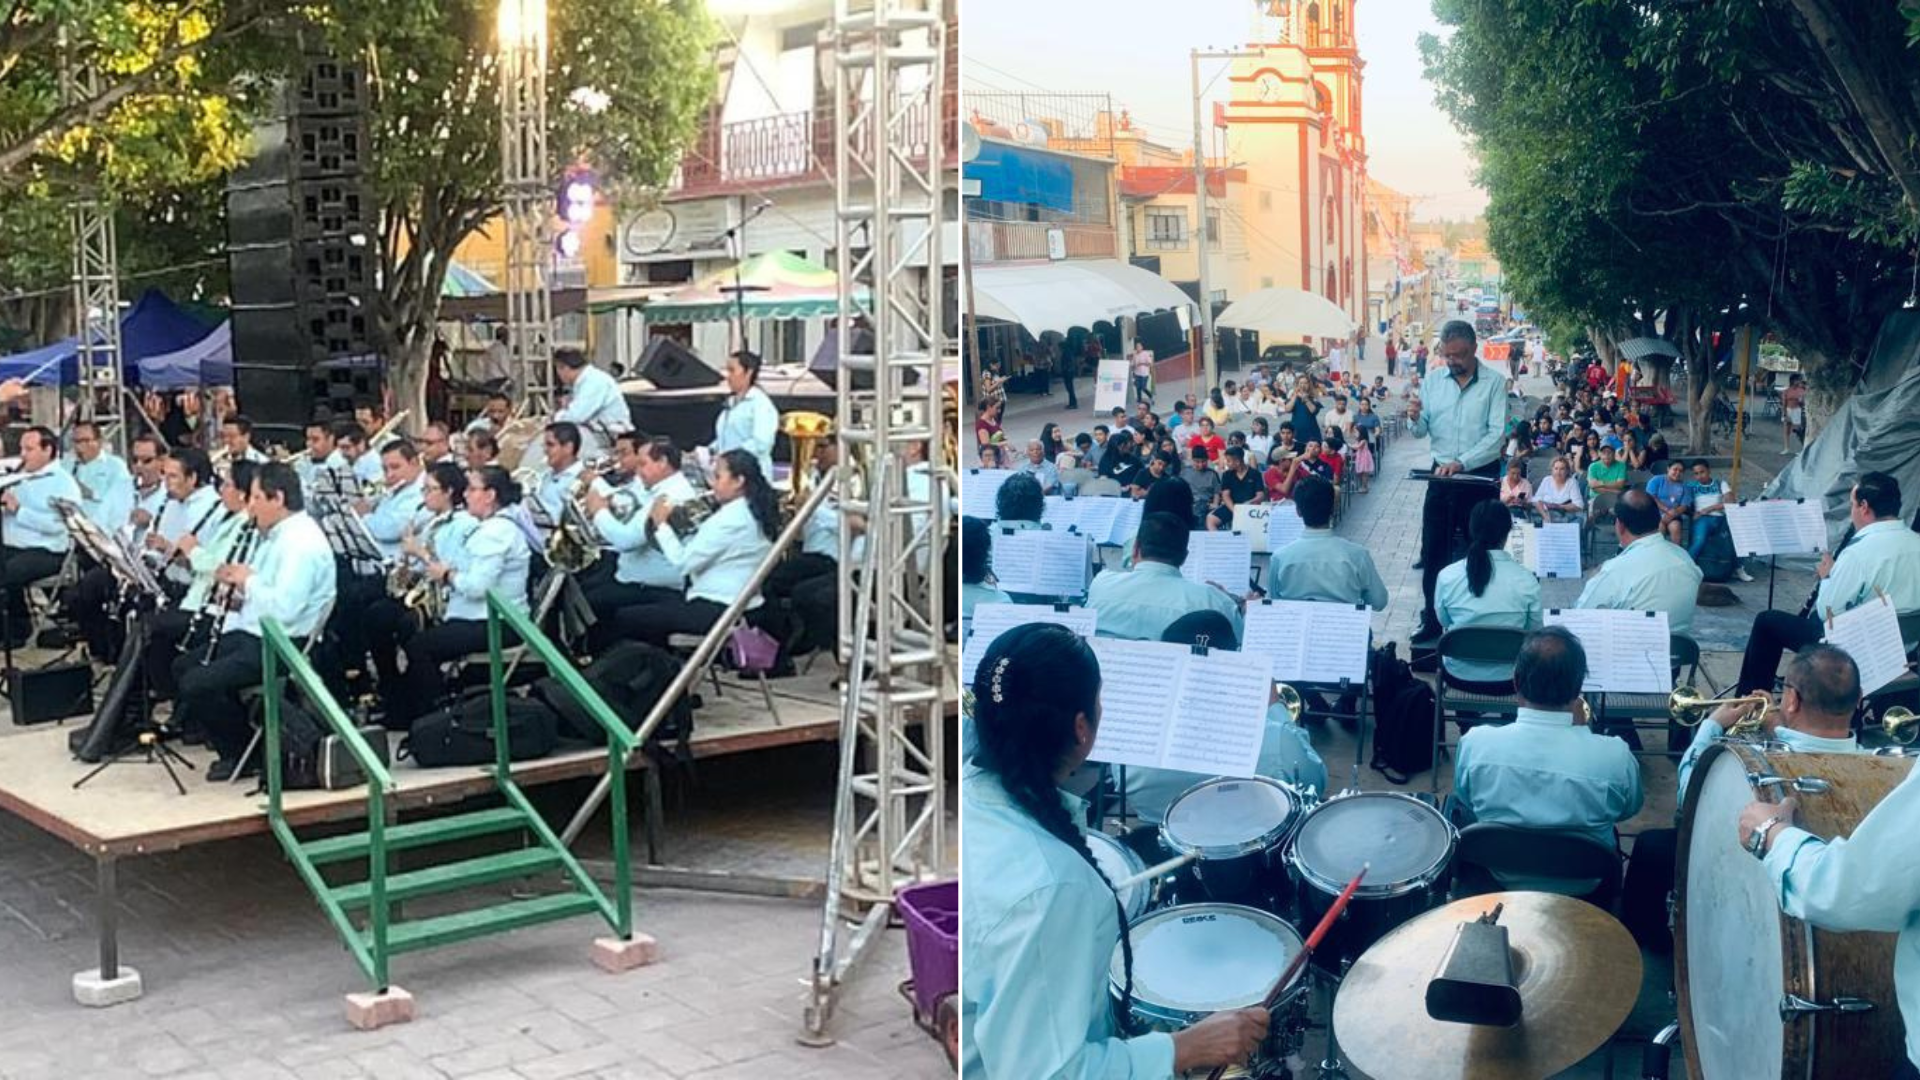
527 184
96 284
890 827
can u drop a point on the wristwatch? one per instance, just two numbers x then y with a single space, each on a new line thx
1757 843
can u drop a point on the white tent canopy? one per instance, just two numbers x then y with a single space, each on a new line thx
1289 312
1059 296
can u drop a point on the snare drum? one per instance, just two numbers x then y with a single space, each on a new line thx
1118 863
1236 830
1753 981
1409 846
1197 959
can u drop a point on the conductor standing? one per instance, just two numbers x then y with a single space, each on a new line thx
1462 409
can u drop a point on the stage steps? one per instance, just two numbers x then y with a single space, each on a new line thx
362 911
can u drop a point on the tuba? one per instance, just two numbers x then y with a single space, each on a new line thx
803 430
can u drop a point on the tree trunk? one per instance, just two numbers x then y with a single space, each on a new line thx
1825 394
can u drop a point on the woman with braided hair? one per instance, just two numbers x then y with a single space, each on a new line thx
1039 919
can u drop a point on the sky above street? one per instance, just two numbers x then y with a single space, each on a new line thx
1136 50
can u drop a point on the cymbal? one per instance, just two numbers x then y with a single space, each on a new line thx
1578 972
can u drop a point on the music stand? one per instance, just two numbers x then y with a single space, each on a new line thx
348 536
138 596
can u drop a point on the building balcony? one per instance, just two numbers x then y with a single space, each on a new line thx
797 148
1016 241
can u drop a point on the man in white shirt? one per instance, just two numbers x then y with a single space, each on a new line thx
1651 573
594 402
496 364
351 437
436 446
561 445
1142 602
236 434
149 489
1038 467
192 503
34 535
389 518
323 469
289 578
642 572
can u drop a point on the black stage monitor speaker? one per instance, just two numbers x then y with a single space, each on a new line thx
827 365
670 365
52 693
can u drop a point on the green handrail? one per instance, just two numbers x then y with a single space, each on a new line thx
621 745
276 648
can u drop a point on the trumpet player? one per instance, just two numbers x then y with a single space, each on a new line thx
561 445
594 401
389 517
35 538
236 435
497 412
494 556
323 455
183 628
289 577
440 537
717 561
351 437
643 572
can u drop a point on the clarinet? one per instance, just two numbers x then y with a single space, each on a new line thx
220 601
1812 599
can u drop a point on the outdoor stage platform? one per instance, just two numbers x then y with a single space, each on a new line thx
132 808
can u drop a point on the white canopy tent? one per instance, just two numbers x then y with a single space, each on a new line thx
1291 312
1059 296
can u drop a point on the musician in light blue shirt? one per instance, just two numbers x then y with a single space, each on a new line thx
288 577
1487 588
106 485
1863 881
1815 712
594 401
1042 922
1320 565
976 566
717 560
399 509
1462 409
561 444
1547 769
749 420
1142 602
643 571
1651 573
35 536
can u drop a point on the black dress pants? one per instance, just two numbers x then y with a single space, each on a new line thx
421 688
783 619
210 693
1774 633
1643 895
606 597
657 620
386 626
20 567
167 641
91 602
1443 525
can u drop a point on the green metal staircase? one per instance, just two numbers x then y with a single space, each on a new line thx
362 911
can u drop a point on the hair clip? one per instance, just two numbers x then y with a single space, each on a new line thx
999 669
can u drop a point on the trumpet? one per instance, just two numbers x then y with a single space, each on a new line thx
1290 697
1900 724
1688 708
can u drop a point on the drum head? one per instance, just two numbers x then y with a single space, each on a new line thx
1201 958
1404 840
1118 863
1730 932
1226 817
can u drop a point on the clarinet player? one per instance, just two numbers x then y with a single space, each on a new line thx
183 629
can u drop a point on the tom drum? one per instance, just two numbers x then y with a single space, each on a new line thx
1408 847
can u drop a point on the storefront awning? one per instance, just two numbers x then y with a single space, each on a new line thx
1060 296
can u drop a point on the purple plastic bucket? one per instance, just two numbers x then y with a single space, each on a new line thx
932 915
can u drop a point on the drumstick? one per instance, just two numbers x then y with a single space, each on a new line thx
1300 960
1152 872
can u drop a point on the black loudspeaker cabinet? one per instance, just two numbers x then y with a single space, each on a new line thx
41 695
302 250
670 365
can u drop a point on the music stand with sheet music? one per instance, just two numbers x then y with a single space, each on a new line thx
352 544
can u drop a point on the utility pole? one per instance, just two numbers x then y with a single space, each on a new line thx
1209 369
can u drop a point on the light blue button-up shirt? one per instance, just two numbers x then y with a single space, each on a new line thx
494 555
396 510
209 555
1544 772
640 560
106 489
972 593
37 524
556 488
1465 425
1286 754
748 422
720 557
1652 574
1885 556
1512 598
1710 732
1142 602
367 468
292 581
152 502
596 404
1865 881
1039 934
1322 566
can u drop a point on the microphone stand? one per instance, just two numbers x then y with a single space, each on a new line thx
739 289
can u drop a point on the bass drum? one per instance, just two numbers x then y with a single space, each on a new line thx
1741 963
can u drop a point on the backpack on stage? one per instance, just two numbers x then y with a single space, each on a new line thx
629 677
462 733
1402 718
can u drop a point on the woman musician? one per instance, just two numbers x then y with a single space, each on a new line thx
438 533
184 628
717 560
493 557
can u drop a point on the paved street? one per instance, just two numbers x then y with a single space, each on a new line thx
244 978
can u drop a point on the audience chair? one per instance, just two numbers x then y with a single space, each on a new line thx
1486 644
1486 848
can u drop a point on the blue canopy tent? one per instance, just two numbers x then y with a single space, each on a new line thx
154 326
207 362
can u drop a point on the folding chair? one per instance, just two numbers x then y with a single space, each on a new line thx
1683 654
1486 850
1479 644
252 695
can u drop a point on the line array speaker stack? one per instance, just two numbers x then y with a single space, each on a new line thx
302 249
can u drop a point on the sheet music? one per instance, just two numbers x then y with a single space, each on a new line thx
1092 515
1221 558
1554 550
989 621
1870 634
1164 707
1126 522
1041 562
1310 640
978 490
1283 526
1627 651
1777 527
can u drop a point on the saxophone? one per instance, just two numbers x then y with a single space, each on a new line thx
424 597
575 543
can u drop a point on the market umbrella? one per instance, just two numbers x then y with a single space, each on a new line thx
1287 312
1640 348
775 285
